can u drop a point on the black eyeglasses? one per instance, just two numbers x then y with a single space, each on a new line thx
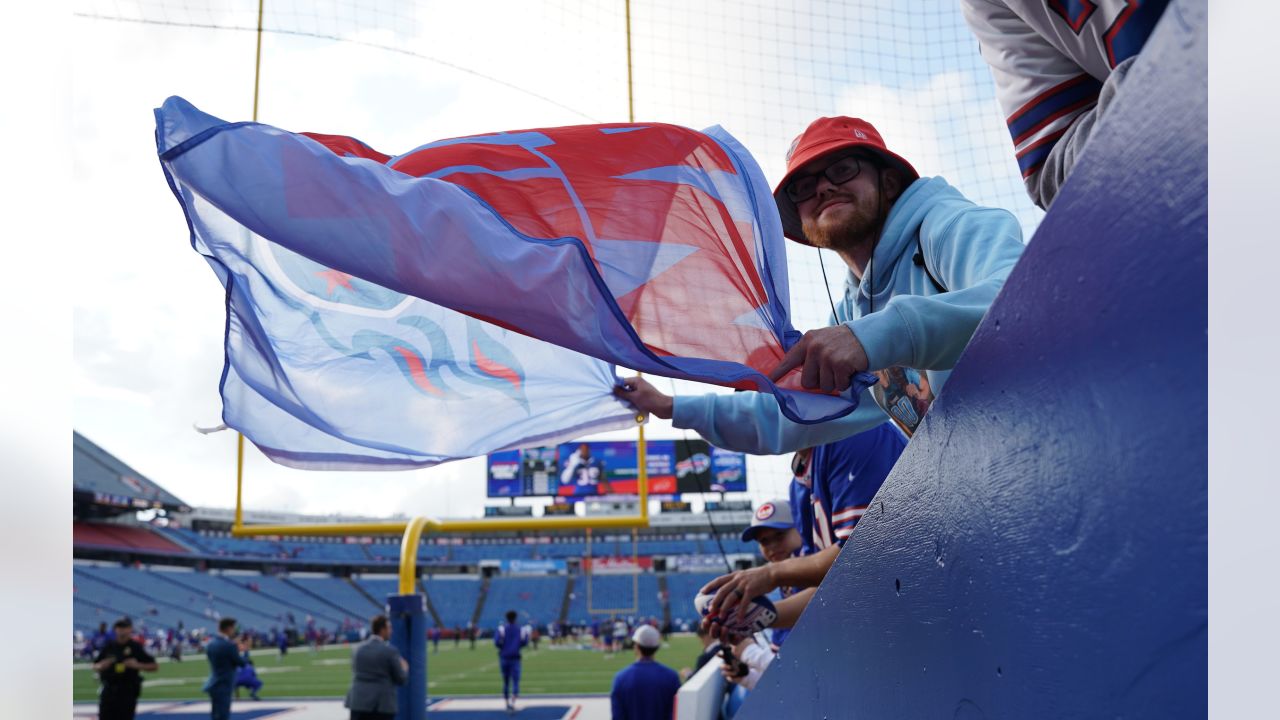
837 173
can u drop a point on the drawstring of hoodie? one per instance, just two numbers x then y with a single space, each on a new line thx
871 262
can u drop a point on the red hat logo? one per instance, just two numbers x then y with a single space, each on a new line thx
765 511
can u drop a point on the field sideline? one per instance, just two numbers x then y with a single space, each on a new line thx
452 672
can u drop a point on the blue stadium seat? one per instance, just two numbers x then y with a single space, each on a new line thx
340 592
631 595
681 590
453 597
537 599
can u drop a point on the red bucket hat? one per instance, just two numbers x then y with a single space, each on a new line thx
824 136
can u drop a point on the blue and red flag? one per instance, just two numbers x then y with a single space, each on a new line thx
650 246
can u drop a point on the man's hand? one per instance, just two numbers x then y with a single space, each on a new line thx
830 357
131 664
644 397
733 590
735 672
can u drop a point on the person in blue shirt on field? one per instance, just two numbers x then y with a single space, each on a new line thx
247 675
510 639
924 265
224 658
645 689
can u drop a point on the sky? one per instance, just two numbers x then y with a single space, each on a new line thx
148 313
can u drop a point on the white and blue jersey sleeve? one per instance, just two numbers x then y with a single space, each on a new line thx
1055 67
846 476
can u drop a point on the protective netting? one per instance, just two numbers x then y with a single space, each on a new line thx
397 74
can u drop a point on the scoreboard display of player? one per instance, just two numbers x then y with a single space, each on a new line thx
611 468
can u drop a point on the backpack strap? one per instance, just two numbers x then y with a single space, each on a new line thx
919 260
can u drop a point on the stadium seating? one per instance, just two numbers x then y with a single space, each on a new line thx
217 545
453 597
163 597
160 598
537 599
650 600
327 552
668 547
119 591
681 589
221 597
390 552
474 553
624 595
293 596
123 537
378 586
339 592
318 552
561 550
247 590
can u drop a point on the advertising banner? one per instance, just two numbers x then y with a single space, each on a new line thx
700 563
533 567
616 565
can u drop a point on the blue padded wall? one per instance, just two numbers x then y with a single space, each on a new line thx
1040 551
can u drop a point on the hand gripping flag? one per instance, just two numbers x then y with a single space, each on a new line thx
649 246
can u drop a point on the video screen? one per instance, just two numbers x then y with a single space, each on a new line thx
592 469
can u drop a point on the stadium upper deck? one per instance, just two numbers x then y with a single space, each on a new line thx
185 569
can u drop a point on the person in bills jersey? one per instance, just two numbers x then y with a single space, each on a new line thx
833 486
1058 65
775 530
584 473
510 639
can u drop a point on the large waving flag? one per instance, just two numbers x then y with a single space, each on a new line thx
650 246
327 371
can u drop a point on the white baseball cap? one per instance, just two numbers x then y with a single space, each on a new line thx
773 514
647 636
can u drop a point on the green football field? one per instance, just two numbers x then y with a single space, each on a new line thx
452 671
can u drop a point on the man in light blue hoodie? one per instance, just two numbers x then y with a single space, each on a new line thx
924 265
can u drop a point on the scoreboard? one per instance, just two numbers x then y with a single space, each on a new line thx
577 470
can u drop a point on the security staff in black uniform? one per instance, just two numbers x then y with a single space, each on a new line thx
118 665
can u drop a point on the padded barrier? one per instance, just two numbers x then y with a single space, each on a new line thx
1040 551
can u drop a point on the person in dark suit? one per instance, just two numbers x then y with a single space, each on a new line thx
376 669
224 659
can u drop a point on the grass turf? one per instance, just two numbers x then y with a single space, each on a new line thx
452 671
